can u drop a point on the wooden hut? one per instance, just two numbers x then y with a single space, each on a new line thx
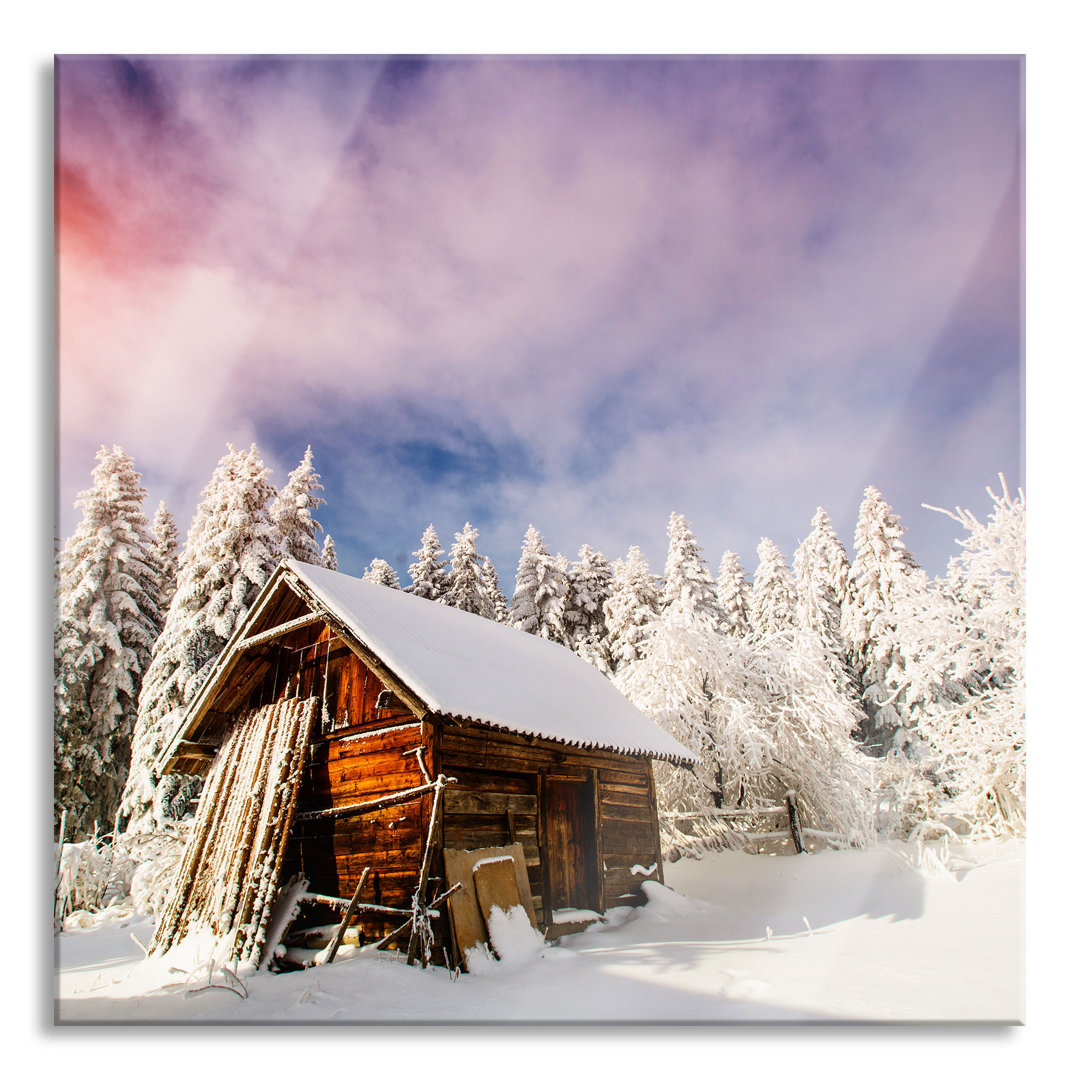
398 729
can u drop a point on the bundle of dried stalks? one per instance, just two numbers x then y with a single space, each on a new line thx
229 875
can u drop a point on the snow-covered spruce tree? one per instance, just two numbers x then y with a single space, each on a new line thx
822 572
733 593
589 584
380 572
108 618
428 573
489 578
561 566
232 548
329 553
464 585
291 513
883 575
71 720
167 549
772 598
676 673
632 606
539 598
971 644
686 575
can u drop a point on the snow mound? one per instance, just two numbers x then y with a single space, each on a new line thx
665 904
479 960
515 939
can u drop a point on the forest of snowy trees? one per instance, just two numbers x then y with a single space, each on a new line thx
888 702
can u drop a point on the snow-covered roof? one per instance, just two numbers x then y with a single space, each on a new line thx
466 666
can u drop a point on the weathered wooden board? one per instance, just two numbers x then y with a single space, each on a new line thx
486 749
632 799
497 890
465 916
486 780
494 801
496 885
467 920
468 836
374 785
633 786
628 838
639 814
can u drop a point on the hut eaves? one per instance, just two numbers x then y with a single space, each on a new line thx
469 668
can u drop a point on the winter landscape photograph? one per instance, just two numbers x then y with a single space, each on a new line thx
539 540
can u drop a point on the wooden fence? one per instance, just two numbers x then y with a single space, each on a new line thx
719 826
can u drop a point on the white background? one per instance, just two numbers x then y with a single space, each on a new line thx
33 34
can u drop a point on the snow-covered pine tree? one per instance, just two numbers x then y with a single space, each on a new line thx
733 593
232 548
428 573
167 549
382 573
489 578
523 609
329 553
884 575
632 606
108 617
588 589
291 513
772 598
822 572
540 592
464 586
686 575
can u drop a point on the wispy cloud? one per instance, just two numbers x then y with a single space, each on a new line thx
579 293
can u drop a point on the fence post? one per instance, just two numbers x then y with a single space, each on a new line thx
793 823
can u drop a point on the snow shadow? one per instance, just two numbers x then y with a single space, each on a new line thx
631 986
560 989
749 893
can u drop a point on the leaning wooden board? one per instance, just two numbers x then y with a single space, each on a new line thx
496 886
465 916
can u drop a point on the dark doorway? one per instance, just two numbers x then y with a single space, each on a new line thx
570 842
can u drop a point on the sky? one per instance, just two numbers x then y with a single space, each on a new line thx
574 293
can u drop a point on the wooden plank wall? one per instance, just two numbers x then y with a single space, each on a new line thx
364 754
498 771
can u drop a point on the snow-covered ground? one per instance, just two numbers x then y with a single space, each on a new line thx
861 936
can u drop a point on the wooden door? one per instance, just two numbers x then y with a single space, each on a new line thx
570 842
